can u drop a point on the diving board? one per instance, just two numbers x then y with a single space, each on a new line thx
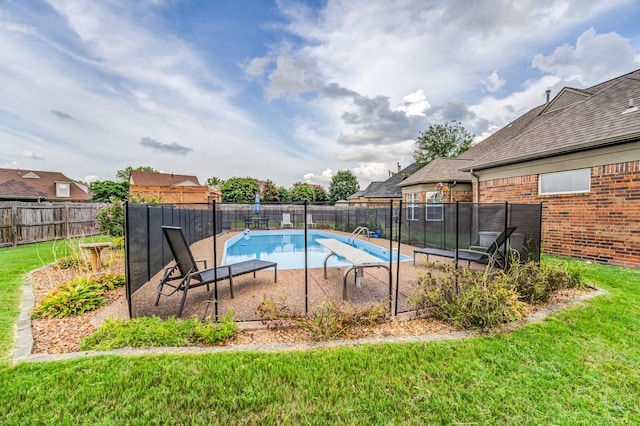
359 259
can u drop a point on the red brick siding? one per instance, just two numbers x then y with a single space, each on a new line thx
602 225
462 196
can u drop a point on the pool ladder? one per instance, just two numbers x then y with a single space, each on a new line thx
359 230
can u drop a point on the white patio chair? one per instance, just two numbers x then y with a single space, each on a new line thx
286 221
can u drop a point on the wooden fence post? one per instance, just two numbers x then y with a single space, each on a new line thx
14 225
65 218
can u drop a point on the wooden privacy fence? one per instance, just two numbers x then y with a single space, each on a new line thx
24 223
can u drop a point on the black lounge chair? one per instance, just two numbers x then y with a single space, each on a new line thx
185 273
491 254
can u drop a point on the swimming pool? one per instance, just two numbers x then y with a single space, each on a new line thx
286 247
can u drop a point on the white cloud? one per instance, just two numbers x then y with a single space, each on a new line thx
371 172
256 67
324 178
415 103
584 63
493 83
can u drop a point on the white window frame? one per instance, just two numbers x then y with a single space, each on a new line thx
433 205
412 206
63 189
574 174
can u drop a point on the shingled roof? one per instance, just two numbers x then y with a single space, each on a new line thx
19 184
440 170
162 179
390 188
599 117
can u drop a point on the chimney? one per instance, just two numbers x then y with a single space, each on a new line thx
548 92
398 167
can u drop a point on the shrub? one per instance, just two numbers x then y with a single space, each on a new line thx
109 281
77 296
469 299
111 218
118 243
536 283
71 298
153 332
328 321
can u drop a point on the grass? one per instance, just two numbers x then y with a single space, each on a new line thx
580 366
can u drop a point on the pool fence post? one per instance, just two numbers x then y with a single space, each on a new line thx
127 263
395 312
215 264
306 271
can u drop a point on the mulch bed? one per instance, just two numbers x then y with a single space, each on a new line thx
55 336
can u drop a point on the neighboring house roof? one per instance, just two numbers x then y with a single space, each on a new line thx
389 188
576 120
371 188
162 179
440 170
356 195
18 184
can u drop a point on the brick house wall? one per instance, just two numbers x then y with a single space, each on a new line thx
178 194
602 225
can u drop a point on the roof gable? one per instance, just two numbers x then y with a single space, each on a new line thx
567 96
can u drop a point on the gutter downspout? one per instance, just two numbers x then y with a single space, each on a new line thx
451 190
476 190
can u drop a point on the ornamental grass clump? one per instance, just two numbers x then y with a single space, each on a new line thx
468 298
536 283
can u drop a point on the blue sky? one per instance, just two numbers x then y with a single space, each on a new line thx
284 90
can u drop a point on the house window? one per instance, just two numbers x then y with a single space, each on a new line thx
63 189
434 206
566 182
412 206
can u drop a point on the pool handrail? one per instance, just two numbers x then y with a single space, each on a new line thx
359 230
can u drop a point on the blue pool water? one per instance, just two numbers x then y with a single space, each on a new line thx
287 248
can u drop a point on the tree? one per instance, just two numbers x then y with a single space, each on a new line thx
103 191
319 193
441 141
239 190
124 175
343 185
215 182
270 191
302 192
284 194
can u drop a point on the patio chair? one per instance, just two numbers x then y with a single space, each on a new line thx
286 221
185 273
310 223
492 255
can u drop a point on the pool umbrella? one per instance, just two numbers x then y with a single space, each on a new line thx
257 207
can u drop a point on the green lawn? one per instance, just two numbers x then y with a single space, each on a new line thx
581 366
